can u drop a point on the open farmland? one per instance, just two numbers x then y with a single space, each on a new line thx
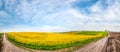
53 41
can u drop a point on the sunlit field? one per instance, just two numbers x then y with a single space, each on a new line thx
53 41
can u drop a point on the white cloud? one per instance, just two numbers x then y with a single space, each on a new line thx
108 14
5 17
3 14
0 3
38 9
65 17
62 16
46 28
96 7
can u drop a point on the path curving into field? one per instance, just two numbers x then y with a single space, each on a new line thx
94 47
9 47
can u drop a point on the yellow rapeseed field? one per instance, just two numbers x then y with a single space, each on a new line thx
40 39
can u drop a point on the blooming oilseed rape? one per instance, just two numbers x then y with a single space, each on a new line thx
39 40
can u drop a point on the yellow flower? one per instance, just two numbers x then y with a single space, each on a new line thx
49 39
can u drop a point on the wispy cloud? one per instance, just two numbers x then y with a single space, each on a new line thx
59 15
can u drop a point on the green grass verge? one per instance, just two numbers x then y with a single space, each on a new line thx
0 35
91 32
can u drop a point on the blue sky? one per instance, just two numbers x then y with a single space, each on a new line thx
59 15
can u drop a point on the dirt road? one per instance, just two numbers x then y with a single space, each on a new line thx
9 47
95 47
113 42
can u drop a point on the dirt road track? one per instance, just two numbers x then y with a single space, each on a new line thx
9 47
96 47
113 42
